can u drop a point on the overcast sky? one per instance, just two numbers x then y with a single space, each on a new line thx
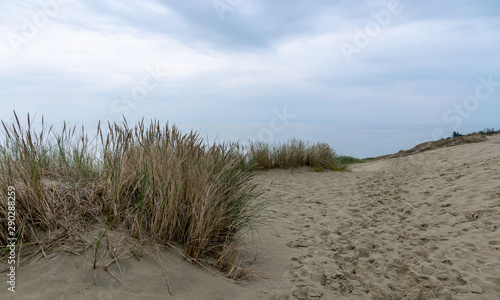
388 62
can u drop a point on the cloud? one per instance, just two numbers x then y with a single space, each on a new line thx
262 55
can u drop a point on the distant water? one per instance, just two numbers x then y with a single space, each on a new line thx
354 139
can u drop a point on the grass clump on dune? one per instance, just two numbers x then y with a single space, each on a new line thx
489 131
150 180
293 154
344 159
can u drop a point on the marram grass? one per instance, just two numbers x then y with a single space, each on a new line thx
293 154
150 180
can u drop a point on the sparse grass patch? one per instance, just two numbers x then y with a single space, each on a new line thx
489 131
260 155
292 154
343 159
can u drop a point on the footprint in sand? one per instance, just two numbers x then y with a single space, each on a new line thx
494 245
307 292
296 263
301 242
494 280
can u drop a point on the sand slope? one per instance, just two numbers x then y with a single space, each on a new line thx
418 227
425 226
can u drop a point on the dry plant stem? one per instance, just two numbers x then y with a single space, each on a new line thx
123 285
163 270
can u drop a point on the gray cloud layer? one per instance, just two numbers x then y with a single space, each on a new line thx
92 56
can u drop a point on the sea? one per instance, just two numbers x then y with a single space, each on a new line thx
361 140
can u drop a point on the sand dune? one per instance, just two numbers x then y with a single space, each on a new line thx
425 226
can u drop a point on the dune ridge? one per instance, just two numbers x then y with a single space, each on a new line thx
418 227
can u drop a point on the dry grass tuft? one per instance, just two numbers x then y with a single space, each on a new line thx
153 181
134 184
292 154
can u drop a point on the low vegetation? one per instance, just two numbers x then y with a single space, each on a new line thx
347 160
489 131
486 131
149 181
292 154
152 181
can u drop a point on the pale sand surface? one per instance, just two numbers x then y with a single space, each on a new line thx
425 226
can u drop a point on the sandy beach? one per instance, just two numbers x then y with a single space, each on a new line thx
425 226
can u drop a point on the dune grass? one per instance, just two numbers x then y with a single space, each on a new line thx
347 160
293 154
150 181
153 181
489 131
